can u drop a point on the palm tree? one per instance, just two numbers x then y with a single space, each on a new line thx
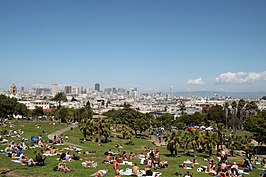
246 145
240 108
194 140
86 126
232 143
210 141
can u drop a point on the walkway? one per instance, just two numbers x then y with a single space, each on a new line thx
59 132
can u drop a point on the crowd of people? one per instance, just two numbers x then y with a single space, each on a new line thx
149 159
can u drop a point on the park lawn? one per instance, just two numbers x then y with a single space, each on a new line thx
74 137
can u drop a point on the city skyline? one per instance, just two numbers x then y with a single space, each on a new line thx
151 45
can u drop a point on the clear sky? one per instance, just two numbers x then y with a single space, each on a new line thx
149 44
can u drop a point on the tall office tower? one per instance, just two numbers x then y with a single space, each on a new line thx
135 93
54 89
81 90
13 89
68 89
171 92
22 89
74 90
114 90
97 87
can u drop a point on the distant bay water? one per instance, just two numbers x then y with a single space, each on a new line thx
244 95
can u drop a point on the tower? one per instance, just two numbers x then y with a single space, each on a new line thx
171 92
54 89
97 87
13 89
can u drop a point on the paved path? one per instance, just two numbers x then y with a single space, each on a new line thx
59 132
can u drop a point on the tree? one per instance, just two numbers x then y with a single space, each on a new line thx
126 132
86 126
60 97
251 108
172 144
10 106
105 129
256 124
210 141
232 143
38 111
216 114
166 120
241 112
63 114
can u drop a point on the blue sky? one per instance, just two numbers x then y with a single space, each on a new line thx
191 45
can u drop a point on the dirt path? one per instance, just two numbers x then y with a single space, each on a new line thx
62 131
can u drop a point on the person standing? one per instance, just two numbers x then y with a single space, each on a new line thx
115 165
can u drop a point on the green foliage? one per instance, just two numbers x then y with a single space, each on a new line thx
38 111
10 106
216 113
257 125
130 117
87 127
194 119
166 120
63 114
60 97
74 136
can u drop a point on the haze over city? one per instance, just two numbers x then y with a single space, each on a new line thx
151 45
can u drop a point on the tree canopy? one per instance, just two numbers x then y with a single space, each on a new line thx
10 106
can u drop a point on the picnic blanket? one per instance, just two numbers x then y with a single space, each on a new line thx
103 172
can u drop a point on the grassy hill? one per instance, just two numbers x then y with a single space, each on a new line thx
36 128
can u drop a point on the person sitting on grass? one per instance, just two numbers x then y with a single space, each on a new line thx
62 167
135 170
39 159
148 171
52 150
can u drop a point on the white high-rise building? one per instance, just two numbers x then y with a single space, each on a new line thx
54 89
171 92
75 90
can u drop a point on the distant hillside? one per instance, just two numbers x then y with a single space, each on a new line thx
245 95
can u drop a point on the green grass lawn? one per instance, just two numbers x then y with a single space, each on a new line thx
29 129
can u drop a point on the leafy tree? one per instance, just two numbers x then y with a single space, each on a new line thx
60 97
194 119
251 108
10 106
256 124
63 114
105 128
166 120
172 144
21 109
130 117
216 114
127 132
38 111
